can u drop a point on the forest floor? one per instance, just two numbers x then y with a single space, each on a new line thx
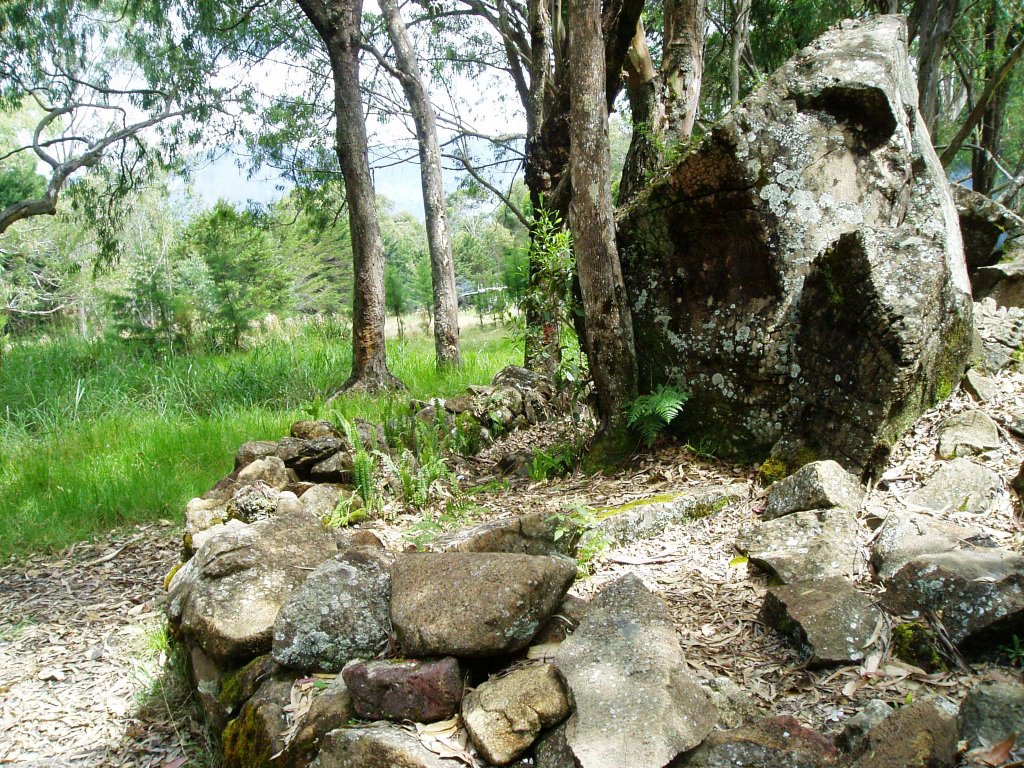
86 677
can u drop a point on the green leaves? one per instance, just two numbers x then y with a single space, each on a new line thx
649 414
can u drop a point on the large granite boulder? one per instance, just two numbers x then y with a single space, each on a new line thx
633 692
227 597
474 604
800 271
339 614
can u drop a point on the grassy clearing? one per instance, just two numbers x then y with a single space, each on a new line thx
96 435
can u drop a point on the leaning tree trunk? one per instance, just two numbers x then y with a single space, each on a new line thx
442 265
738 39
338 27
609 327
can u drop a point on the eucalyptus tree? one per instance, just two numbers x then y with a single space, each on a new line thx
338 25
102 79
445 297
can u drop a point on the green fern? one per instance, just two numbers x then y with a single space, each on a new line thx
649 414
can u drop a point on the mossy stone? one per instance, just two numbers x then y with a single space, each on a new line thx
915 643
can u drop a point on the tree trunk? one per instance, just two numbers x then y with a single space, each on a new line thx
682 66
442 265
642 85
931 21
609 327
738 39
338 27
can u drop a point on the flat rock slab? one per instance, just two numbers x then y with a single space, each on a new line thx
771 743
535 533
914 736
473 604
905 535
829 621
992 710
633 692
505 715
420 691
379 745
339 614
978 592
804 546
641 520
227 597
960 485
967 434
981 388
818 485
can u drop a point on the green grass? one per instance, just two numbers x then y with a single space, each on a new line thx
96 435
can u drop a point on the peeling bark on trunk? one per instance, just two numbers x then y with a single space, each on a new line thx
683 66
337 24
643 156
442 265
738 40
609 328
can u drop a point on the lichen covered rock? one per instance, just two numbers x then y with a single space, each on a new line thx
800 271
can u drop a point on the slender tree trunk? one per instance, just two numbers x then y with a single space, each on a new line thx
682 66
931 21
740 32
442 265
642 85
609 326
337 24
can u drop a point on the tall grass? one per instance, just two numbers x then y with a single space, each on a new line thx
97 434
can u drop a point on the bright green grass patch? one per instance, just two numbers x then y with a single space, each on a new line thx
94 435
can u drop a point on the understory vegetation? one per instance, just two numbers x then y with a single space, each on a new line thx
101 433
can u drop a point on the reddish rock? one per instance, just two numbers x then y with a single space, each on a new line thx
770 743
421 691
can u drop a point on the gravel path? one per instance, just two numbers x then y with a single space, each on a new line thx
85 679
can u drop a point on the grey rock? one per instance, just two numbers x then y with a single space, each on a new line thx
336 468
978 592
312 430
914 736
201 515
627 641
207 678
638 520
523 379
983 222
960 485
331 708
321 499
905 535
967 434
257 449
378 745
552 750
771 743
563 621
403 690
1002 282
810 228
535 533
804 546
227 597
200 538
981 388
301 455
257 733
829 621
505 715
339 614
856 729
818 485
734 705
270 470
253 502
473 604
992 710
999 333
